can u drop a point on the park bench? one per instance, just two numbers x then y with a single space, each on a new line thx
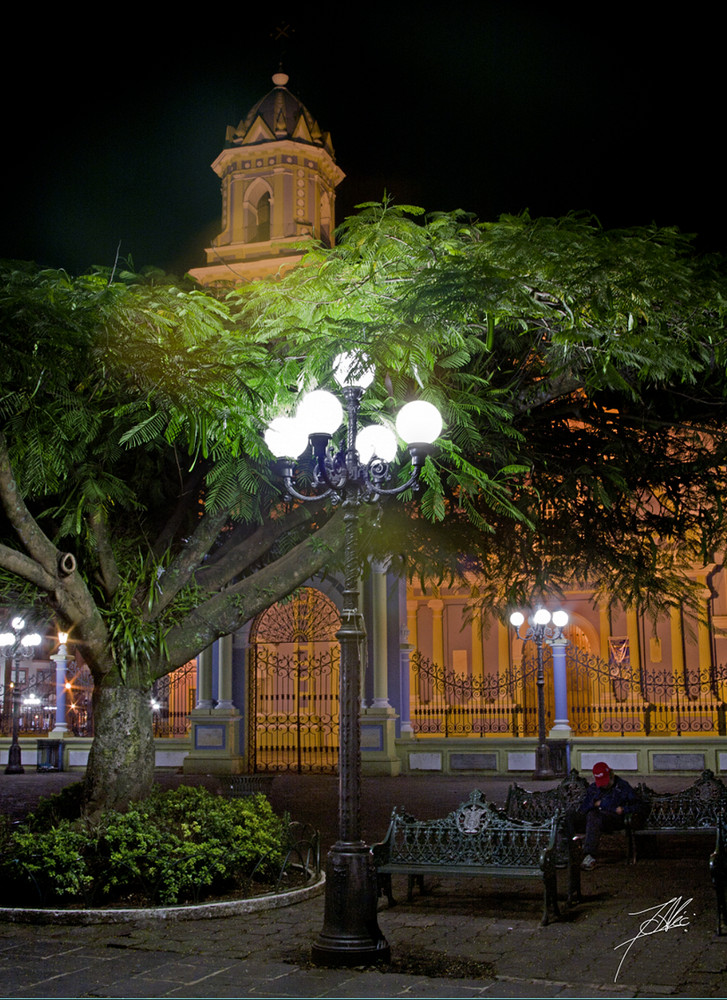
693 810
718 870
540 806
475 839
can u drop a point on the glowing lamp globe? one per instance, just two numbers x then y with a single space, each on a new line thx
517 618
31 640
286 437
541 616
376 441
560 619
320 412
419 422
348 370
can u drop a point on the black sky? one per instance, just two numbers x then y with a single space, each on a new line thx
491 107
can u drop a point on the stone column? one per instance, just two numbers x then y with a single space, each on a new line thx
604 624
380 644
478 662
677 644
704 637
437 607
60 728
224 675
204 679
632 631
378 722
215 736
405 650
561 729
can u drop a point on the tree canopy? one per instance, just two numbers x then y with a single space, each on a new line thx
580 372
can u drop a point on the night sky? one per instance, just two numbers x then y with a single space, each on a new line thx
491 107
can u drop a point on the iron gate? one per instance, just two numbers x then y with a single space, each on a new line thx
294 670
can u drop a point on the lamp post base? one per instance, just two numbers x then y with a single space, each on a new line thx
350 934
14 760
543 770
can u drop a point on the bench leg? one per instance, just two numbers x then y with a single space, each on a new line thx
550 900
574 873
383 885
420 882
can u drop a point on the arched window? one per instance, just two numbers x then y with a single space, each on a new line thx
257 209
263 219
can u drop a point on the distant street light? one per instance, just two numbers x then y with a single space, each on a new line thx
542 627
351 474
18 645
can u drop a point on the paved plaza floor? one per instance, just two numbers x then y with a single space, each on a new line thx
463 938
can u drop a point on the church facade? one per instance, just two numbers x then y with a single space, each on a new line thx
444 688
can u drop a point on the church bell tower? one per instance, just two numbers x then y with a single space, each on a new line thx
278 177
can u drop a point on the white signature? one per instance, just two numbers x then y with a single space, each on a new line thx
663 918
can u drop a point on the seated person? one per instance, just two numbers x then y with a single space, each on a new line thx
607 803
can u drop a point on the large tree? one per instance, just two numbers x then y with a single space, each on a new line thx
580 372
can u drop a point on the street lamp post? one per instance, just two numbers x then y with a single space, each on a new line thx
17 645
354 474
542 627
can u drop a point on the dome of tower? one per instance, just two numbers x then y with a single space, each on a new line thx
278 115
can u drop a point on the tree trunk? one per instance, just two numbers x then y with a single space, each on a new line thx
121 763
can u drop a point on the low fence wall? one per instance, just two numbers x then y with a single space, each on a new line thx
74 750
505 756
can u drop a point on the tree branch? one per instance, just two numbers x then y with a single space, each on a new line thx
26 568
237 555
181 571
226 612
33 539
110 578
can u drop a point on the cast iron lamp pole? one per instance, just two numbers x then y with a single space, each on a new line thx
17 645
541 627
354 474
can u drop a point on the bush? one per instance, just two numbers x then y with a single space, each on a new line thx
172 847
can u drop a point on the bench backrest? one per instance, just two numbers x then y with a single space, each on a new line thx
696 807
475 833
539 806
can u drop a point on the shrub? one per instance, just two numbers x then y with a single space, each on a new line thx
171 847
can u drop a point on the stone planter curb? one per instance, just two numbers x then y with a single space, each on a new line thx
202 911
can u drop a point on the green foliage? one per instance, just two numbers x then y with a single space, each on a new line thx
581 373
567 360
52 809
172 847
47 866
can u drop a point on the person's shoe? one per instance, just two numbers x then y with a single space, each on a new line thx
588 862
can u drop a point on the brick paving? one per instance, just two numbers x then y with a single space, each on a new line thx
485 921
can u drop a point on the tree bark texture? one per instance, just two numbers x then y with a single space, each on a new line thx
121 763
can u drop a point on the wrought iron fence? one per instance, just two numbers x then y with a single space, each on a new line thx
623 699
37 712
449 703
173 698
605 699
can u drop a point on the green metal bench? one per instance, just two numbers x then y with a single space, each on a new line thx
693 810
542 805
718 870
475 839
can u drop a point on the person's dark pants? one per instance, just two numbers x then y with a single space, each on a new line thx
598 822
